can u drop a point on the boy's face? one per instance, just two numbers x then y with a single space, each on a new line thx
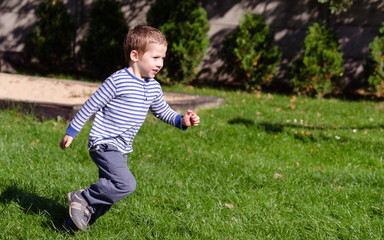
150 63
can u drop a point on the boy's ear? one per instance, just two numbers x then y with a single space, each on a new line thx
134 55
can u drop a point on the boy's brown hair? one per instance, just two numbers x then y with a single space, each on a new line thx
139 39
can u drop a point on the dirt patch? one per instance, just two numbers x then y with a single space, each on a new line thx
48 90
56 97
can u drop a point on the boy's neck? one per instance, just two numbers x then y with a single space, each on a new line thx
135 73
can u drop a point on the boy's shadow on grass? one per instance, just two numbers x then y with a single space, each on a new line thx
303 133
34 204
279 127
267 127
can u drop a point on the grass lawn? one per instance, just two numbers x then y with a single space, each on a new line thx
261 167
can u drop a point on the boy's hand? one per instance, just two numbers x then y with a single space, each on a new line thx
190 119
66 141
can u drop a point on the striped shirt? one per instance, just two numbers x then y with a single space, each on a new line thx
121 105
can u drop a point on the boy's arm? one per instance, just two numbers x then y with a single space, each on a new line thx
97 101
161 110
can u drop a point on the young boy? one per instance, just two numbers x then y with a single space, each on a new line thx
121 105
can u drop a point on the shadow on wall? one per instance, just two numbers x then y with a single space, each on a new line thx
15 22
211 63
356 32
136 11
18 23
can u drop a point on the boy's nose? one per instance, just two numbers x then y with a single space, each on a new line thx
160 63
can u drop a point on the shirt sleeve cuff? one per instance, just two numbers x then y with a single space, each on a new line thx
71 131
179 124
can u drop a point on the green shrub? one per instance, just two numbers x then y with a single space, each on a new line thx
249 53
52 37
319 69
375 62
102 49
186 27
337 5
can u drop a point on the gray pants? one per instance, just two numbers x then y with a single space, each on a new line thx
115 180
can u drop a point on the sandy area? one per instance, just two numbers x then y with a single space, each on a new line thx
48 90
38 89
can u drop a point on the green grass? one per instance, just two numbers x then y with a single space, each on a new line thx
261 167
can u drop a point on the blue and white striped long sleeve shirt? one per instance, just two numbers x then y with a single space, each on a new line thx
121 105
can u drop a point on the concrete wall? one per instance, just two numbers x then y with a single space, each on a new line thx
289 19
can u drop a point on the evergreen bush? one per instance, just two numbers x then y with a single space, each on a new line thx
185 25
50 42
318 71
337 5
102 49
375 63
249 53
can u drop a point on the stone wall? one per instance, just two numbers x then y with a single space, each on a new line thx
289 20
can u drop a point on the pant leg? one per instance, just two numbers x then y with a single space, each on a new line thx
99 209
115 179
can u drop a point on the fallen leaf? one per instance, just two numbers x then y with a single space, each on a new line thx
277 175
293 99
228 205
148 156
292 106
33 143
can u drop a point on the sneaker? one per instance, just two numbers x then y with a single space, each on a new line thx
69 225
79 210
